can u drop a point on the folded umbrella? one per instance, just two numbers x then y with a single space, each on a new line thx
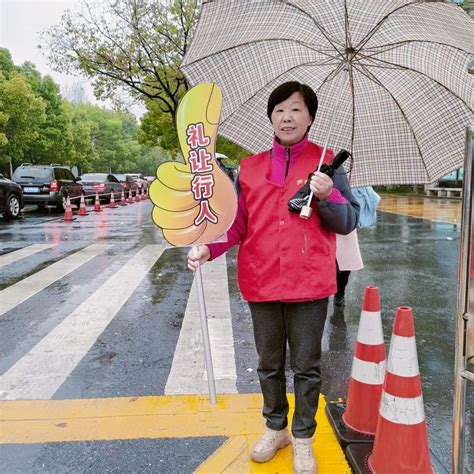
296 203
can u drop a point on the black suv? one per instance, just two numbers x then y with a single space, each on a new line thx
11 200
47 184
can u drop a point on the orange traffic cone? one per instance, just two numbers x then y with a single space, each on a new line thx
130 196
68 211
112 204
368 368
82 207
354 423
97 207
137 195
122 199
401 439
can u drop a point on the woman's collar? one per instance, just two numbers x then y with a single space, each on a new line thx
295 150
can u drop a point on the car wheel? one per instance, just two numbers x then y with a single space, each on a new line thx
62 206
13 207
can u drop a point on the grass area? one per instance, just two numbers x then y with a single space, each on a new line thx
413 190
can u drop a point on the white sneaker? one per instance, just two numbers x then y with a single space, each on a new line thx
267 446
303 456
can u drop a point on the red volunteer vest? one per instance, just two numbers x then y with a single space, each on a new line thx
282 256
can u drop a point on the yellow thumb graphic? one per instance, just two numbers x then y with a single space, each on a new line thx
195 201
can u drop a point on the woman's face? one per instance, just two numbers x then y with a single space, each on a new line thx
291 119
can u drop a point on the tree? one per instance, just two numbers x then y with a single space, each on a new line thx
6 63
54 134
106 140
468 6
136 45
234 152
157 128
21 112
75 93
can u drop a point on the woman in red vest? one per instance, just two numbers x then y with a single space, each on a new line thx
286 266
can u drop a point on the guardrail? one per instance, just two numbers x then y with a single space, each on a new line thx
443 192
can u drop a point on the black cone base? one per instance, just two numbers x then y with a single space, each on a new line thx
344 434
358 456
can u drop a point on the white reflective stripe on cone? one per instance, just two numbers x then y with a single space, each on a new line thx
369 332
403 411
402 358
371 373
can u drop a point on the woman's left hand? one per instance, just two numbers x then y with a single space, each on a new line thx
321 185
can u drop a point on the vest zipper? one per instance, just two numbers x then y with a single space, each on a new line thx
305 243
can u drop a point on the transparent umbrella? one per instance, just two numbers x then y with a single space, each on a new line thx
391 77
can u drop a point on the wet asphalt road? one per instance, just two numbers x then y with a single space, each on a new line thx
413 262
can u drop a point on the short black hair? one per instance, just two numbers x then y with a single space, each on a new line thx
285 90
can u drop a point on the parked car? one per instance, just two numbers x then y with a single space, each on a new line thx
47 184
11 198
102 184
139 179
149 180
128 183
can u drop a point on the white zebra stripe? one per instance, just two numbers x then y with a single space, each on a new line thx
402 357
371 373
16 255
26 288
403 411
370 328
188 371
43 370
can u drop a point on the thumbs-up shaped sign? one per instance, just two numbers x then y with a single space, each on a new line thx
195 201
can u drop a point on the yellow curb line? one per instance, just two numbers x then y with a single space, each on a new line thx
236 416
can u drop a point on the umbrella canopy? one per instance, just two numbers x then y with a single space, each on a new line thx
391 77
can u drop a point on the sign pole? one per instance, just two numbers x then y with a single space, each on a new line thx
195 202
205 333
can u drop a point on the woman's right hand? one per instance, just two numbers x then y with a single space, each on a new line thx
197 256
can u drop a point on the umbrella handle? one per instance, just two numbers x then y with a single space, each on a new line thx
306 210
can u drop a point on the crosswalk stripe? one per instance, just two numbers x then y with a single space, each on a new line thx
26 288
188 373
43 370
16 255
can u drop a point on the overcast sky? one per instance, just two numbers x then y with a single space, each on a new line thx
21 22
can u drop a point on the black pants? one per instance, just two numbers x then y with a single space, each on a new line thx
302 325
342 278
